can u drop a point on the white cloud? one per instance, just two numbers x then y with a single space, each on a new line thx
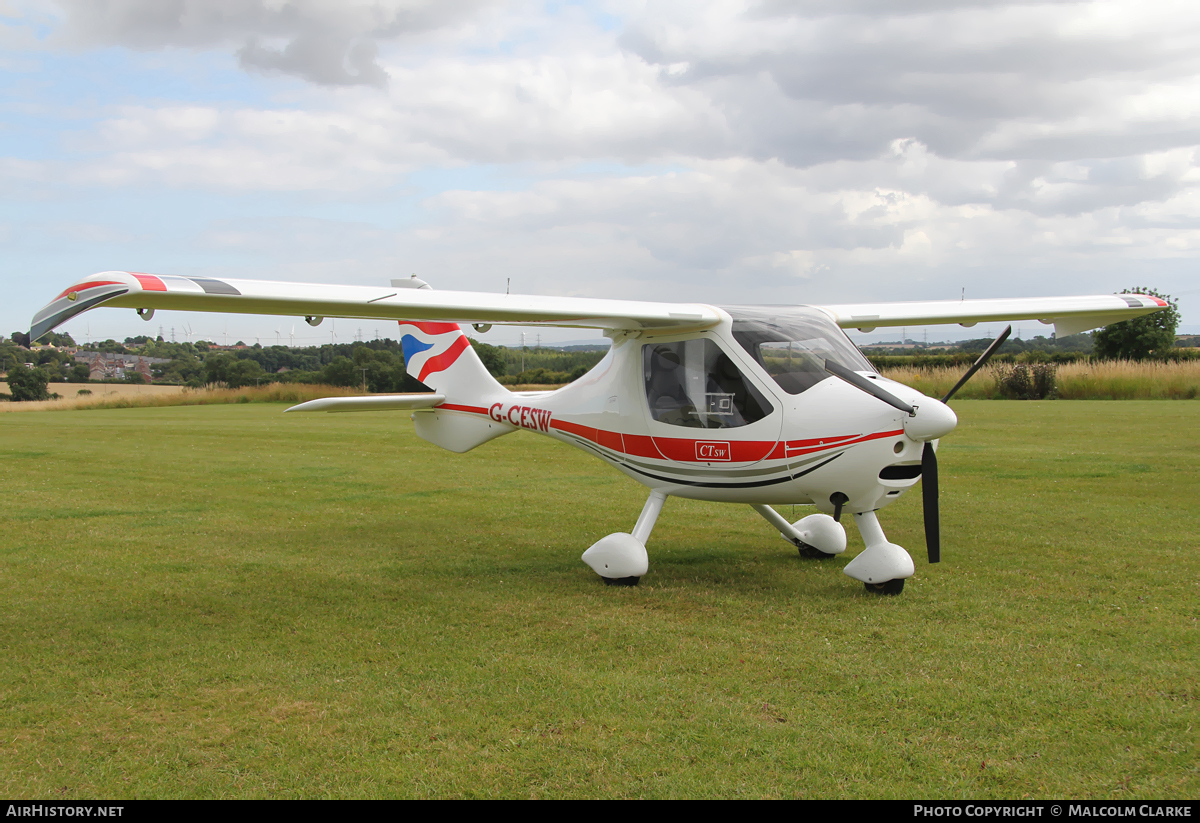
775 153
330 42
809 83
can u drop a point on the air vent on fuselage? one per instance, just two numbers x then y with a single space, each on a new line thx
901 471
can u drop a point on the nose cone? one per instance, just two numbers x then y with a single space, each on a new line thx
933 419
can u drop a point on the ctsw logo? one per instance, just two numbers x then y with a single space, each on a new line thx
526 417
710 452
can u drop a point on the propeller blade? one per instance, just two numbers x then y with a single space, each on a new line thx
983 358
869 386
929 500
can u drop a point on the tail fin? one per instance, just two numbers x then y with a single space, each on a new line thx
440 356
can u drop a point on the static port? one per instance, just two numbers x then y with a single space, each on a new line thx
899 447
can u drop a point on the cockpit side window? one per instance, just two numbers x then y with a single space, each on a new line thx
693 383
793 343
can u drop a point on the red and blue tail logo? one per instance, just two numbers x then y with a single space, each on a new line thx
430 348
441 357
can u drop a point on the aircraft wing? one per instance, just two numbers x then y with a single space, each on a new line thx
138 290
1069 315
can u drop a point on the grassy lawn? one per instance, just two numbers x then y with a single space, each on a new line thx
222 601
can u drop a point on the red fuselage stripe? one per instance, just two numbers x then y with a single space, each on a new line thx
744 451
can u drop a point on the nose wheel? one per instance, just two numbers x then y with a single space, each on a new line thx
811 552
891 587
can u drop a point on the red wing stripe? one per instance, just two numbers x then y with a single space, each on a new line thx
92 285
149 281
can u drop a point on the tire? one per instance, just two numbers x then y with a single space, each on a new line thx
891 587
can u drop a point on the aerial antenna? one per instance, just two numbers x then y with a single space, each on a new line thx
508 286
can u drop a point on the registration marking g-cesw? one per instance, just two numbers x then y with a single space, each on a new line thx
526 417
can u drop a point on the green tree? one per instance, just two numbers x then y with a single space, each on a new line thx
1151 335
27 384
492 357
341 372
235 373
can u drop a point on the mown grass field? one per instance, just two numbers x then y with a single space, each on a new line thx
224 601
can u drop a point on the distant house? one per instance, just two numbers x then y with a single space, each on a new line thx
109 366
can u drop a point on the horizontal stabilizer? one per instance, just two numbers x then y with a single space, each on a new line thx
377 402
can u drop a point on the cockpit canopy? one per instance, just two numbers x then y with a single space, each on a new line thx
792 343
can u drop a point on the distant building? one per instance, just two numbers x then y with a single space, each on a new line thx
110 366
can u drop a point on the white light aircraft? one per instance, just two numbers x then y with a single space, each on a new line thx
732 404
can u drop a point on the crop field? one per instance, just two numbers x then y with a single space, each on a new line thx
95 392
1083 380
224 601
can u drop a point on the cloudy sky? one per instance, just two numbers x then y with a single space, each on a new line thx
707 150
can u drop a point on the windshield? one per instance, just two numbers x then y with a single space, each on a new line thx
792 343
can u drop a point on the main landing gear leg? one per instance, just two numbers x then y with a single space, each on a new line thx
621 558
882 567
818 536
